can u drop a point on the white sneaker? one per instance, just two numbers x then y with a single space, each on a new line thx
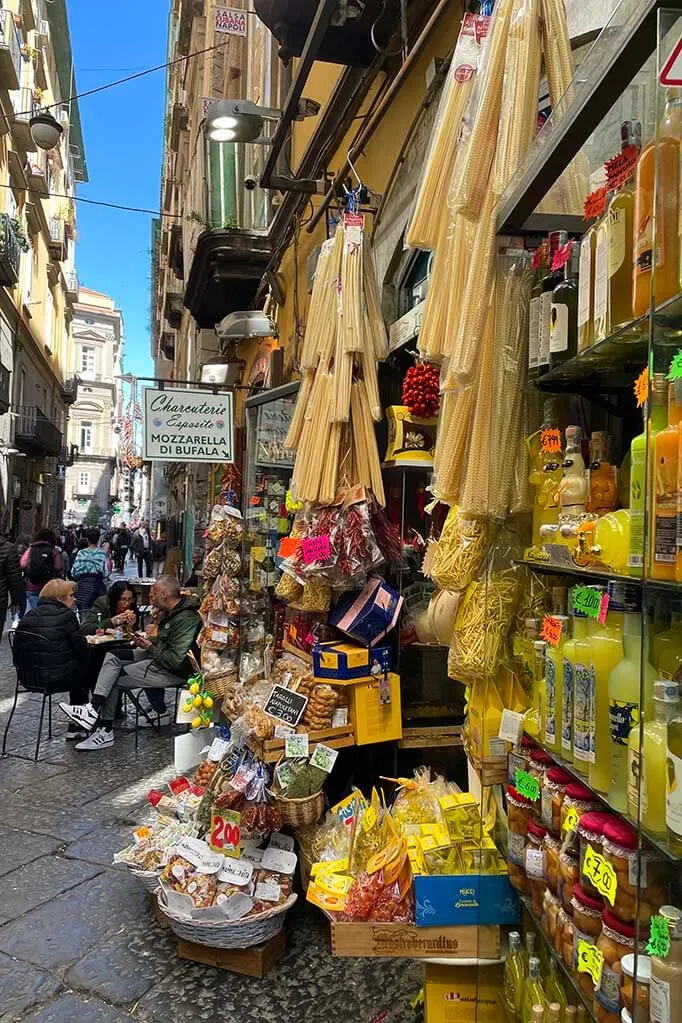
75 732
84 716
160 719
99 739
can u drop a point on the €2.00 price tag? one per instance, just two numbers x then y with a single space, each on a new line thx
600 872
590 960
527 785
225 833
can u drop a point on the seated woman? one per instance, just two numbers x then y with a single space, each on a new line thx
90 569
50 635
116 609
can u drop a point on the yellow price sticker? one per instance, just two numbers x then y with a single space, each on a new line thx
600 872
334 884
590 960
571 820
329 867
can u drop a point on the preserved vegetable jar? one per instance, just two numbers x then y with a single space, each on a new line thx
578 799
617 939
552 846
518 758
634 990
635 869
569 874
551 908
534 864
519 813
591 832
553 789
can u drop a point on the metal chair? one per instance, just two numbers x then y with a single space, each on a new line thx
32 677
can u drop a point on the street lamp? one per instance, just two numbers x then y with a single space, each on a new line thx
45 130
238 120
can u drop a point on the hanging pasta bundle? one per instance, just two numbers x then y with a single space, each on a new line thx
330 302
315 323
432 332
463 238
351 318
374 321
453 432
474 498
297 420
364 442
305 478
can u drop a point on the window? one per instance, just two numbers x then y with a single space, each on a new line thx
83 482
86 436
87 366
27 277
49 320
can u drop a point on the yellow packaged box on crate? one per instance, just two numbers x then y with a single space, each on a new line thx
375 709
456 995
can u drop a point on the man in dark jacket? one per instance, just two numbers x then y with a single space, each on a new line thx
158 663
49 641
142 548
11 583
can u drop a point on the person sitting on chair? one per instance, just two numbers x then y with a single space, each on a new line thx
51 636
159 662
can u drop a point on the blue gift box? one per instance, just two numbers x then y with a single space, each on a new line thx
444 899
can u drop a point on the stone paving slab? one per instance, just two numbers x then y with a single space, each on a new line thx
70 1008
18 774
22 986
100 845
25 815
39 881
19 847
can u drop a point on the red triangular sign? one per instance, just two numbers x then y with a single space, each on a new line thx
671 73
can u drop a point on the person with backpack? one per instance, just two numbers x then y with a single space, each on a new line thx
41 562
91 568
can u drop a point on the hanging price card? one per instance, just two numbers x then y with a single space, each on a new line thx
225 832
316 548
288 545
550 442
642 387
675 371
587 601
571 820
527 785
603 609
551 630
659 937
621 167
590 960
562 256
600 872
595 204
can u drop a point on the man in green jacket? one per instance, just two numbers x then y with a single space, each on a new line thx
159 662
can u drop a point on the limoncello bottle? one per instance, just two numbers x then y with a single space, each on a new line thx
606 642
579 654
512 992
554 682
533 992
646 760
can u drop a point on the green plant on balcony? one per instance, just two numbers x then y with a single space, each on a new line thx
18 228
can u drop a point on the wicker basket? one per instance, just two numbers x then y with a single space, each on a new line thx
218 683
231 934
300 811
149 878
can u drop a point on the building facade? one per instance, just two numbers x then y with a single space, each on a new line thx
37 262
92 481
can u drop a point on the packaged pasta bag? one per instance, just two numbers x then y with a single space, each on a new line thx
369 833
417 802
460 551
483 717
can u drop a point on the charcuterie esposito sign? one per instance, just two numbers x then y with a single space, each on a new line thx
188 426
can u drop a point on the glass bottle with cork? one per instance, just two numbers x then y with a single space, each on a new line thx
586 288
620 215
563 337
541 259
549 283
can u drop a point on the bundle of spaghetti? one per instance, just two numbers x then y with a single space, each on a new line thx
471 324
520 87
309 349
365 451
432 331
560 71
296 425
475 159
451 443
306 475
350 322
329 308
462 237
481 627
369 374
430 211
460 550
474 498
374 325
330 464
339 408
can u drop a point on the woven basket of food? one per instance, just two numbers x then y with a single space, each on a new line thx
231 933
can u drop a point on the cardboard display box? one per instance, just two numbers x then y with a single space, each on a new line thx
407 940
342 661
454 994
465 899
373 720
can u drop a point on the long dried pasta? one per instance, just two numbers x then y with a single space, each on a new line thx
451 443
296 425
309 349
481 628
460 551
476 481
351 319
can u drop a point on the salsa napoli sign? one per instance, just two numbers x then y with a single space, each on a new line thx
188 426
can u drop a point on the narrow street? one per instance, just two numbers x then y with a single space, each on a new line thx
77 936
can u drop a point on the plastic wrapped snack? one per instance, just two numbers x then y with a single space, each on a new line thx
370 834
417 801
182 876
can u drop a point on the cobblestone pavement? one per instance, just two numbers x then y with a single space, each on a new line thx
77 938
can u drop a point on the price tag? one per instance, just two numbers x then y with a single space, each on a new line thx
603 610
600 872
316 548
334 884
225 833
587 601
237 872
590 960
621 167
280 841
296 745
268 892
675 371
659 937
199 854
527 785
511 726
571 820
595 204
641 387
340 717
562 256
324 757
288 546
279 860
219 748
550 442
329 867
551 630
285 705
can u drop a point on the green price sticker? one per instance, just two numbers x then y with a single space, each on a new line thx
527 785
675 371
659 937
587 601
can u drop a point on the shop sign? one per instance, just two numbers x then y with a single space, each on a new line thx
285 705
231 21
407 327
188 426
274 419
671 72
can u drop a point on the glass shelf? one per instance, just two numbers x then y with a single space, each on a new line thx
566 973
603 575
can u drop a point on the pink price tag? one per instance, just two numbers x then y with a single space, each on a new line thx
603 609
316 548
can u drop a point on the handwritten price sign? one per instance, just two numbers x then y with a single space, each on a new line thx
600 872
225 833
591 603
551 630
642 387
659 937
590 960
550 442
571 820
316 548
527 785
595 204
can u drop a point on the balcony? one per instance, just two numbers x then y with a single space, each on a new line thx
36 171
71 286
10 253
35 433
173 305
179 122
167 345
24 106
5 395
10 52
70 390
225 242
59 243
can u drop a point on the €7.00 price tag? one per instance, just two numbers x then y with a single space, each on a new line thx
527 785
600 872
225 833
590 960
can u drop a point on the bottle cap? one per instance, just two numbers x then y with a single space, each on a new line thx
666 691
574 436
627 965
674 917
539 646
659 389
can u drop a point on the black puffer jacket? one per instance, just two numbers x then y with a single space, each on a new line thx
11 583
60 653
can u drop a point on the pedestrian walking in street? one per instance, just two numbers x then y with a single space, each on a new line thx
159 549
159 662
11 582
142 549
121 547
91 568
41 562
50 634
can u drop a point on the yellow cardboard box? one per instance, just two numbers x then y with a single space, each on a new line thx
373 720
463 994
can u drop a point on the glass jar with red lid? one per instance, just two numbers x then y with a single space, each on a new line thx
538 762
553 790
642 875
519 814
617 939
518 758
591 832
577 798
534 864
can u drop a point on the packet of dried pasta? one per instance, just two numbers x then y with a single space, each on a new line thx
460 551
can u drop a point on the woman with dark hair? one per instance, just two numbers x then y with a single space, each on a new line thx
116 609
90 569
41 562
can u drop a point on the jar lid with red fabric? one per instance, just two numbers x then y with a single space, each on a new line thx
514 794
611 921
540 758
592 824
619 833
528 743
558 776
536 830
588 901
577 791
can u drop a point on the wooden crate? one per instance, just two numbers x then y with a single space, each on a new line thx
251 962
412 942
438 736
271 750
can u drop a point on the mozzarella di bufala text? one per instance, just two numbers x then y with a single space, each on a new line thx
197 425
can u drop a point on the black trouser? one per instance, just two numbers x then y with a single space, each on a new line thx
144 558
121 555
